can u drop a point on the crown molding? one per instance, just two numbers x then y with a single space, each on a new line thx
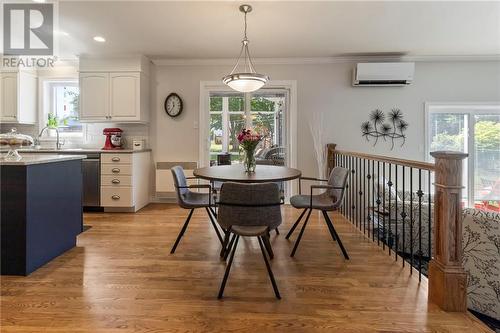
323 60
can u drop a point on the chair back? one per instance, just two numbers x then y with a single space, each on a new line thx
249 205
338 179
179 182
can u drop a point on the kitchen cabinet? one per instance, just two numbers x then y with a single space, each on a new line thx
94 96
114 97
18 97
125 180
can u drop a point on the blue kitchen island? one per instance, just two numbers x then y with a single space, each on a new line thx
41 210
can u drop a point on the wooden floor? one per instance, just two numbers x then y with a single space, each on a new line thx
122 278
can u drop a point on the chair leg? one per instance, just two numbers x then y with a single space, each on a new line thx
228 269
328 224
228 249
344 252
227 235
301 233
183 230
296 224
269 271
212 221
267 245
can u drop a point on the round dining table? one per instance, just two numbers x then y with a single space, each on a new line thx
236 173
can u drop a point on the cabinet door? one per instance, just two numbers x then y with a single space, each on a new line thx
94 96
8 92
125 96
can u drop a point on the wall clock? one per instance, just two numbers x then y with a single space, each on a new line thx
173 105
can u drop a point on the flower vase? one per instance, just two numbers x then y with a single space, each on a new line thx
249 161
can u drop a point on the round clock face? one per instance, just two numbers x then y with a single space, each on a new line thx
173 105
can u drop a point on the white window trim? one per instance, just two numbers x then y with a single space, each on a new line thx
207 86
444 107
41 105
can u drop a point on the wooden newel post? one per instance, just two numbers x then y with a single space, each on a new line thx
447 278
330 159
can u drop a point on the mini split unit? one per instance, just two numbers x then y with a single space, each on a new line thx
383 74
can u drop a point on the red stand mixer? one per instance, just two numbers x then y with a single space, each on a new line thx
113 138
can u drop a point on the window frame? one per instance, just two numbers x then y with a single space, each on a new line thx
464 108
46 102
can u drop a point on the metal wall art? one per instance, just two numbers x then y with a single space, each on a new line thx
392 130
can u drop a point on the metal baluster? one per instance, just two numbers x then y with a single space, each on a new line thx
364 196
373 200
359 193
368 177
396 214
411 220
383 207
403 216
389 184
378 202
356 189
420 193
353 190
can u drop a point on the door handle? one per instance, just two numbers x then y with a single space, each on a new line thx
115 181
115 170
115 197
115 159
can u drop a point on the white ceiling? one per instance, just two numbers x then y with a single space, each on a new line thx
279 29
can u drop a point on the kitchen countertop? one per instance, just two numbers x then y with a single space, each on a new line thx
77 150
29 159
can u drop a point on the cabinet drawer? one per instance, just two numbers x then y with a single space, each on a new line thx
116 181
116 169
116 158
116 196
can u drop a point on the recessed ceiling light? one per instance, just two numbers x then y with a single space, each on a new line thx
99 39
38 0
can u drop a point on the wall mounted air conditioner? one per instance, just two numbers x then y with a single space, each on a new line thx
383 74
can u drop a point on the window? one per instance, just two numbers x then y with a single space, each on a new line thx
230 112
61 108
474 130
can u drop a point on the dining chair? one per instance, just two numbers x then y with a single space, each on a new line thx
249 210
330 200
192 200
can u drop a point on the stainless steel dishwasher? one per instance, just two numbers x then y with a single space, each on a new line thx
92 181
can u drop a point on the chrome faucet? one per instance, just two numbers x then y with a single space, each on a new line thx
58 143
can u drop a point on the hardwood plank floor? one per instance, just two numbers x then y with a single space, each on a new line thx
122 278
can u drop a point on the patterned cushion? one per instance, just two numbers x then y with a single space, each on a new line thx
481 260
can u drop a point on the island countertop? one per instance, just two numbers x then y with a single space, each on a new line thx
29 159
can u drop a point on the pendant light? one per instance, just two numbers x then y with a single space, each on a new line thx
249 80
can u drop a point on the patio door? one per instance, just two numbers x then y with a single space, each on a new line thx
264 111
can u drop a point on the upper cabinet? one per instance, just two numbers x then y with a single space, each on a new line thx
18 96
114 93
94 96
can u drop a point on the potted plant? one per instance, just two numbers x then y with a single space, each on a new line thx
249 141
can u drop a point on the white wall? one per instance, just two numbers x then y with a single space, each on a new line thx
325 89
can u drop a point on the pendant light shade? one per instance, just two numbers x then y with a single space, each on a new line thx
249 80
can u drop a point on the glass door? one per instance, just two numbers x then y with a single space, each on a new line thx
263 111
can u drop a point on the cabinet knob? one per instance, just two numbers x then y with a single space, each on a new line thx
115 181
115 159
115 197
115 170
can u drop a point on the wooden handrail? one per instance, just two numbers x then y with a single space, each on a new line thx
387 159
447 278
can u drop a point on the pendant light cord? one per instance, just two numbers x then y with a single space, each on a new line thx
249 67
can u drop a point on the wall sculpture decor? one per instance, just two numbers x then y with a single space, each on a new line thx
392 130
